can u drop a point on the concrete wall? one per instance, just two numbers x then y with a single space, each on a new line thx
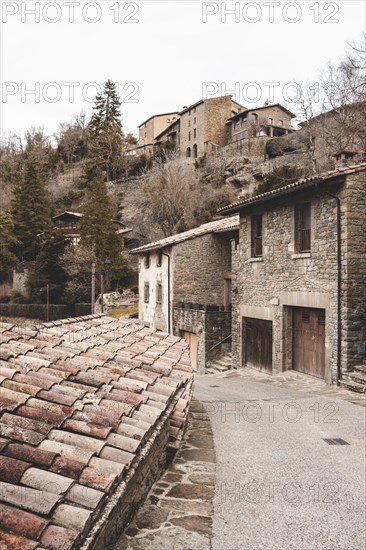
269 287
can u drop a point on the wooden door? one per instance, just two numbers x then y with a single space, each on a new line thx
258 344
191 339
309 341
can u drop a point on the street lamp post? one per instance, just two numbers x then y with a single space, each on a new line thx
94 274
93 289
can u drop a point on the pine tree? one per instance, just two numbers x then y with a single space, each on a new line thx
48 269
7 242
98 232
106 143
31 211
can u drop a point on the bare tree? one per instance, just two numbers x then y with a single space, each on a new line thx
171 188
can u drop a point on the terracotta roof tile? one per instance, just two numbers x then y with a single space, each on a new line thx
84 496
77 440
14 542
96 479
131 431
123 442
87 428
20 522
211 227
10 400
58 538
303 183
116 455
11 470
79 399
30 454
67 451
20 434
67 467
107 466
71 517
44 480
16 420
38 502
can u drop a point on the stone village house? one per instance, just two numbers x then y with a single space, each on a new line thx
185 287
299 277
297 297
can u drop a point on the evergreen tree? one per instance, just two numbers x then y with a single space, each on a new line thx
31 211
48 269
98 231
7 242
106 140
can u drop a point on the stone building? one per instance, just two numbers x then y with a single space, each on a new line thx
201 128
269 120
152 127
185 287
299 277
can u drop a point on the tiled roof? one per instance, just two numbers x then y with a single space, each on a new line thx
79 399
217 226
306 182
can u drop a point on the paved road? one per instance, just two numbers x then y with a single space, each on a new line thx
279 485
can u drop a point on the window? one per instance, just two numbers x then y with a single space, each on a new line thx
188 152
160 259
189 136
280 122
303 227
195 133
238 124
195 151
146 293
194 120
189 123
270 121
147 261
256 236
159 293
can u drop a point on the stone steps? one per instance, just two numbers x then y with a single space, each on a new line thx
222 364
352 386
360 368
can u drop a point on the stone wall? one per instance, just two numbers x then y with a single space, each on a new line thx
354 270
269 287
199 266
211 327
20 280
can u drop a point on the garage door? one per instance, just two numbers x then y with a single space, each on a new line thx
257 344
309 341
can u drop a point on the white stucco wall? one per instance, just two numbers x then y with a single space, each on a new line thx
151 313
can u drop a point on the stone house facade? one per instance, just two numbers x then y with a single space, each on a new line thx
299 276
269 120
201 128
152 127
185 286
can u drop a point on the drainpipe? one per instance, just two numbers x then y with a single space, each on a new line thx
339 284
167 255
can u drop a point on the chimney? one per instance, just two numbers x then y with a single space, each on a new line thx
343 157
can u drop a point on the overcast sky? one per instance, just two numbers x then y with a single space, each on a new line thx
162 54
